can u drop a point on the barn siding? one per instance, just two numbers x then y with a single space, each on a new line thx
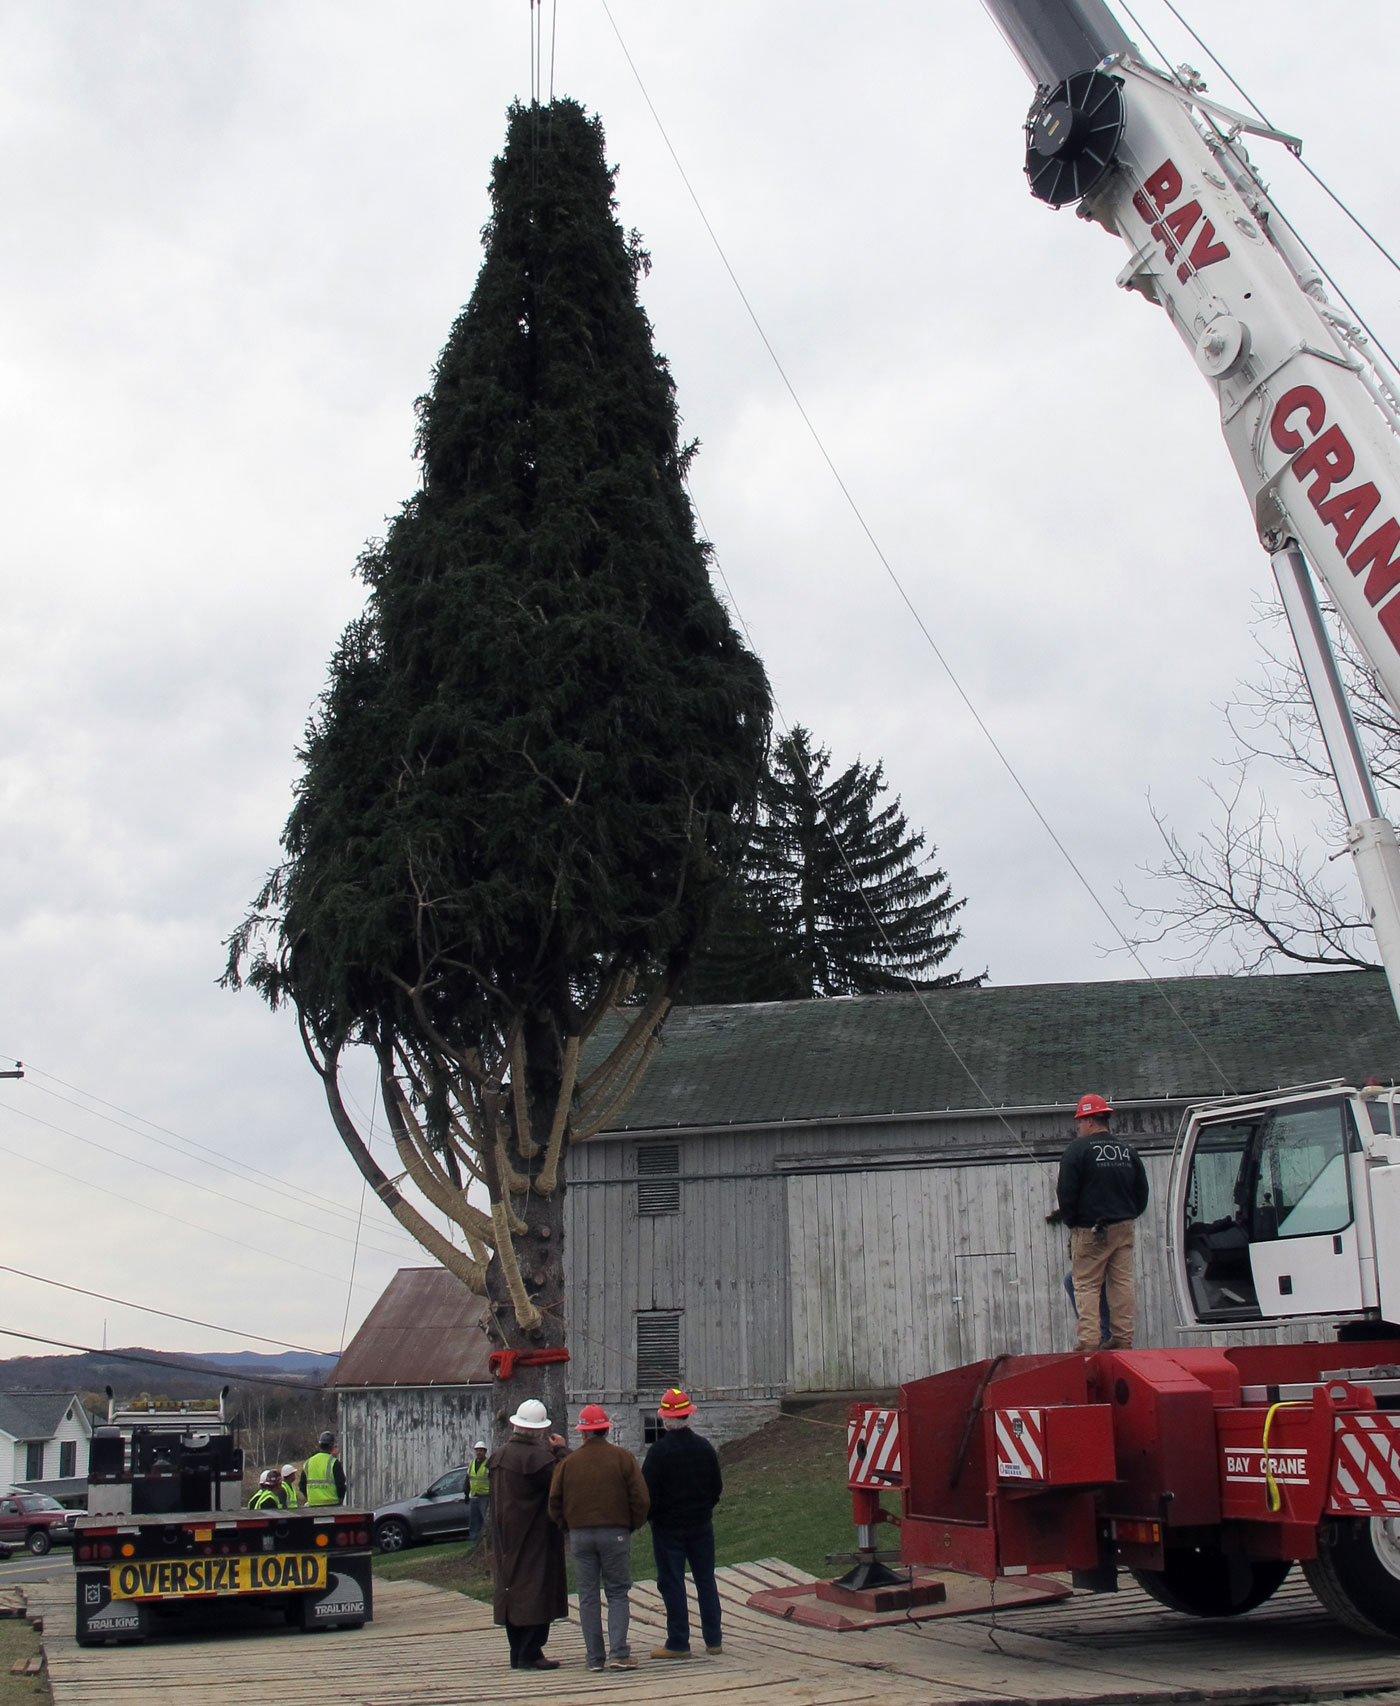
395 1440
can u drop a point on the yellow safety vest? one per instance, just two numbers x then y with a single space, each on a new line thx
478 1480
320 1479
289 1494
264 1499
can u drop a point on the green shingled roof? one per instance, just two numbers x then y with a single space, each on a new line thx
1029 1046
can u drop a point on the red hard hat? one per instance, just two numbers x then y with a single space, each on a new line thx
592 1419
676 1404
1092 1107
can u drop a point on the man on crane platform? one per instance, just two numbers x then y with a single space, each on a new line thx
1102 1190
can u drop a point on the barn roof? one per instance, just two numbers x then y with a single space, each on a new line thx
1031 1045
425 1330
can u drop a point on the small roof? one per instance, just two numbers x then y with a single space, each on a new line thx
1029 1046
426 1330
37 1415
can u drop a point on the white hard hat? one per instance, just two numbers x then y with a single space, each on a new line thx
288 1469
481 1445
266 1478
531 1414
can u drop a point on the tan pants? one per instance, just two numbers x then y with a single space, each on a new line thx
1103 1261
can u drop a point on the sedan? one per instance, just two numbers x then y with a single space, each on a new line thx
36 1521
436 1514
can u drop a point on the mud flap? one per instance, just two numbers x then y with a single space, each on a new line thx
346 1601
101 1618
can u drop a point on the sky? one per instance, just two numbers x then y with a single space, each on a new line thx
234 240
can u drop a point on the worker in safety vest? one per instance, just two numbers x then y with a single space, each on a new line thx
478 1493
323 1474
268 1494
289 1486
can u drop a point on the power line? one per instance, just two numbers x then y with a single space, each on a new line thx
899 587
233 1376
147 1309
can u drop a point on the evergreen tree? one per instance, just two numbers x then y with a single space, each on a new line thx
529 776
833 898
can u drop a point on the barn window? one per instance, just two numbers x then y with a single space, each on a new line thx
658 1349
652 1428
658 1182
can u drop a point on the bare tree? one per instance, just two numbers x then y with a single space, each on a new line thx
1245 890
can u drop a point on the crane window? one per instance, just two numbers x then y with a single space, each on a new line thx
1216 1236
1301 1188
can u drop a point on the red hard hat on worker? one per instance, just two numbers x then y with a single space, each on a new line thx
1092 1107
675 1404
592 1419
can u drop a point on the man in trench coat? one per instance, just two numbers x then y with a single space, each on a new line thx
531 1587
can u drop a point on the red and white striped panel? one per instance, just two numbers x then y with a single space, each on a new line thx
1366 1464
1020 1440
872 1450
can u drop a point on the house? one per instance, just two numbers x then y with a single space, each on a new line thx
413 1387
44 1441
842 1195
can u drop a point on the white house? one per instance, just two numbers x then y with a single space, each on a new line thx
44 1441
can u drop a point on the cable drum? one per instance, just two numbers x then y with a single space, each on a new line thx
1072 137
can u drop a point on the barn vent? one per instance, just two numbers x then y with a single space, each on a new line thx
657 1193
658 1349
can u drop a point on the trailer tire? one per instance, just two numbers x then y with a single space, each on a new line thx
1203 1582
1356 1574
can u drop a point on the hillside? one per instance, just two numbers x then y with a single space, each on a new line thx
133 1369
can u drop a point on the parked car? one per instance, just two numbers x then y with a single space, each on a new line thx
36 1521
436 1514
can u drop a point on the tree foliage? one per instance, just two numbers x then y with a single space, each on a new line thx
836 895
529 774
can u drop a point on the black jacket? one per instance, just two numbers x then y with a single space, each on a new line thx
682 1475
1102 1180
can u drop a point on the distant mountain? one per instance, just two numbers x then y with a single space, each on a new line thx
133 1370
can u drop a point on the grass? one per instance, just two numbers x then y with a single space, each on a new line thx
785 1496
18 1640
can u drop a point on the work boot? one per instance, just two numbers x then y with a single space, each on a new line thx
670 1652
626 1662
717 1648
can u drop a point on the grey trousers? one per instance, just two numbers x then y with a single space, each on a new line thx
603 1556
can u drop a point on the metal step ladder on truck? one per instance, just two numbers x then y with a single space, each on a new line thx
165 1532
1209 1472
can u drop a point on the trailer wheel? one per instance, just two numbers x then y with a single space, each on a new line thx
1202 1581
1356 1573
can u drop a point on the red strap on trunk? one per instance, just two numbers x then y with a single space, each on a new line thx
505 1363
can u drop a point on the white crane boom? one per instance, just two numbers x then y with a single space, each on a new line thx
1310 415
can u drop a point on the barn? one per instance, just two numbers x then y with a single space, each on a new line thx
841 1195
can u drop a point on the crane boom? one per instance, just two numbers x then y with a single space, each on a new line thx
1310 415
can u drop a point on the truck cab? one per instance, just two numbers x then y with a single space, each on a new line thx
1287 1207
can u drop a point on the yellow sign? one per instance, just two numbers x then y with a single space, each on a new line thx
187 1578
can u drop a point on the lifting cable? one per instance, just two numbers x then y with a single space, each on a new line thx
898 585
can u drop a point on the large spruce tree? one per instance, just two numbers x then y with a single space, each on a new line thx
836 896
532 768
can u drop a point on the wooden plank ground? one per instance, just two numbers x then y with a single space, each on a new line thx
428 1647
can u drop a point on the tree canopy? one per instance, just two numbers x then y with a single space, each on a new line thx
836 895
531 769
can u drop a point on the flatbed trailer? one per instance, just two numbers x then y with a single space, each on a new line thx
313 1563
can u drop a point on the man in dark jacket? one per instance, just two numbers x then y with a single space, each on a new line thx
531 1587
1102 1190
682 1474
598 1497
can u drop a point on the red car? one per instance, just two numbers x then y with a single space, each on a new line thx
36 1521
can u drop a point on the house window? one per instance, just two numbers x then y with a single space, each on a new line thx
34 1460
658 1184
658 1349
67 1459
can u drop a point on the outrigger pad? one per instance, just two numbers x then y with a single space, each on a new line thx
963 1596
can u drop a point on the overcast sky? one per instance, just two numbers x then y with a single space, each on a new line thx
234 239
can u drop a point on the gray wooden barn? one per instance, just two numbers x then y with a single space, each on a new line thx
845 1194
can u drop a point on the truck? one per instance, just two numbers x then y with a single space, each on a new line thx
1209 1472
165 1534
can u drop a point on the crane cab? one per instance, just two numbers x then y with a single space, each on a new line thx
1287 1207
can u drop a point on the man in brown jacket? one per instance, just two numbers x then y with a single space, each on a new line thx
531 1587
598 1497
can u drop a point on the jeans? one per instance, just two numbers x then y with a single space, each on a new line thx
1103 1261
603 1555
673 1548
478 1515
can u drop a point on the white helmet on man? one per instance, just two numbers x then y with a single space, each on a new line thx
531 1414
